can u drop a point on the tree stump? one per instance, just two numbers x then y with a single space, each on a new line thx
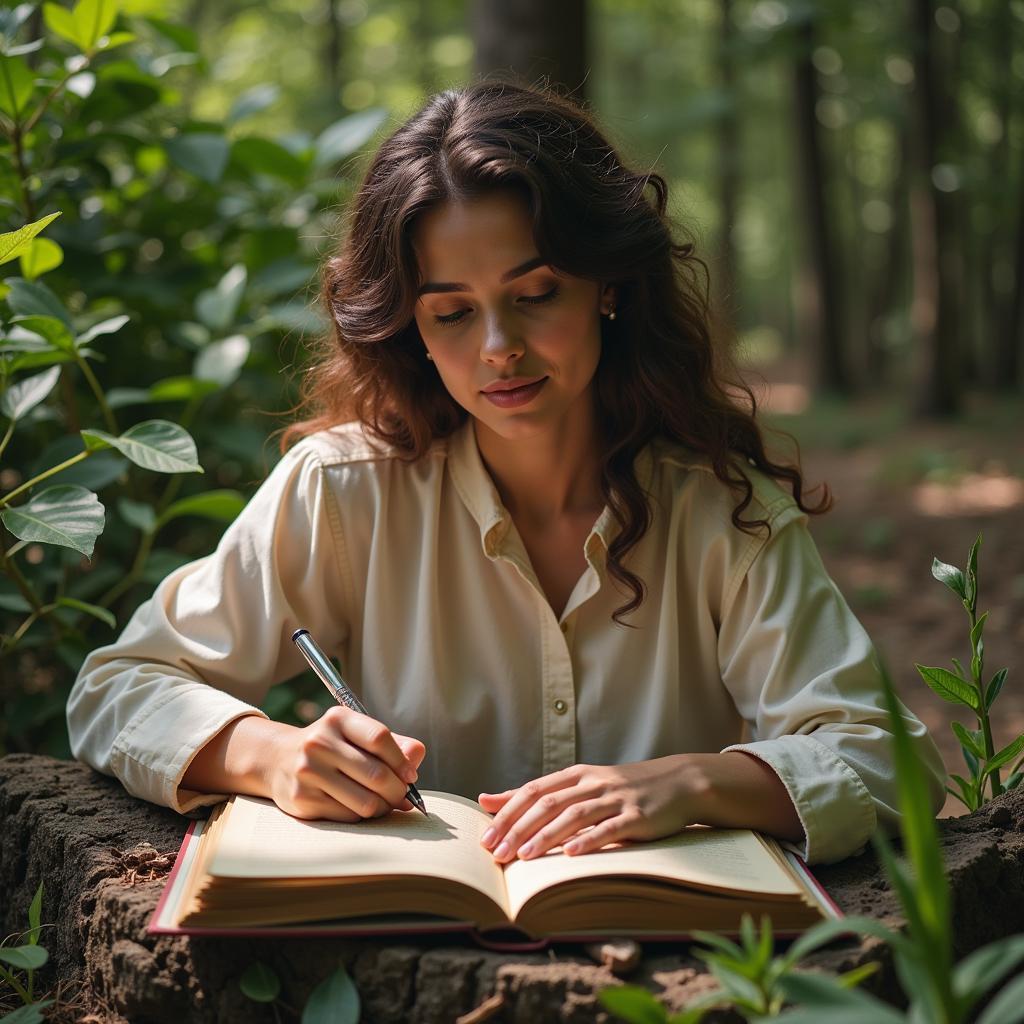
103 857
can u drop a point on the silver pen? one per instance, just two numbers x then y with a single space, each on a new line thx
331 678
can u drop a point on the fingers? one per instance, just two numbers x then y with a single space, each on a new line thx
376 739
358 762
530 808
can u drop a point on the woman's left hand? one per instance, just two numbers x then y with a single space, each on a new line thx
644 800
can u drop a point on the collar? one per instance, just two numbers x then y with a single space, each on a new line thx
478 493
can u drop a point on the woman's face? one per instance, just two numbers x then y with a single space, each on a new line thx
492 315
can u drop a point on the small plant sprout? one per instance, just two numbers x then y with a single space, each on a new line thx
984 763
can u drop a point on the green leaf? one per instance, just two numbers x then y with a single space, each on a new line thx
632 1003
222 361
949 687
828 931
204 154
344 137
968 740
28 393
137 514
994 686
52 330
1004 756
61 22
972 558
253 100
64 514
1008 1005
35 912
155 444
1013 780
116 39
976 632
260 983
262 156
93 19
90 609
33 298
180 389
110 326
13 242
24 958
826 994
967 789
40 256
334 1001
30 1014
217 306
222 506
719 942
951 576
982 969
17 83
920 835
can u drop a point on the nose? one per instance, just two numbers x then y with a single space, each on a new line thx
500 343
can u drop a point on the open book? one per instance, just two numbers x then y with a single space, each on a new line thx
252 868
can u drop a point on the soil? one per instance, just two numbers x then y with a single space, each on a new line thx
906 492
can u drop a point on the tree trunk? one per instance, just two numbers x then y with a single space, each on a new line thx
728 181
818 298
333 49
934 313
532 38
1006 304
1011 353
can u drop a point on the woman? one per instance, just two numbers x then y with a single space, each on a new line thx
516 516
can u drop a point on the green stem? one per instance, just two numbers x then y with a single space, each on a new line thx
108 415
17 137
29 623
11 568
42 476
13 982
51 96
134 573
986 726
7 437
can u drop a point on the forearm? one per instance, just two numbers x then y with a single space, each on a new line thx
742 791
238 759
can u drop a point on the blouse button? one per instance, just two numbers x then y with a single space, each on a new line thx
560 707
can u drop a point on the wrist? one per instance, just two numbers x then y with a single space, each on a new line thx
238 759
739 790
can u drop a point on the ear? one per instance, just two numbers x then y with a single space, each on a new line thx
609 297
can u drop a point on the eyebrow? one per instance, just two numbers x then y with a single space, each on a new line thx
509 275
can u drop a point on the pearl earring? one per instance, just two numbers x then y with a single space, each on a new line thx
429 356
611 313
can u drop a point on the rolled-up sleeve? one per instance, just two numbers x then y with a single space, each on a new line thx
804 675
214 637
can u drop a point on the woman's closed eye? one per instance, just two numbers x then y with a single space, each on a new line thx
453 318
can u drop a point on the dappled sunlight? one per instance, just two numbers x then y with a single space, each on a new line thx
972 494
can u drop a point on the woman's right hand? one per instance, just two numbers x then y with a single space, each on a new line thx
344 767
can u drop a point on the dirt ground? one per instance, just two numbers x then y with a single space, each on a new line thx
905 493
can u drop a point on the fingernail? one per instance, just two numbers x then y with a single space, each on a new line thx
488 837
526 850
502 851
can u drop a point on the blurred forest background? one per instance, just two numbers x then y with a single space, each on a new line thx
852 172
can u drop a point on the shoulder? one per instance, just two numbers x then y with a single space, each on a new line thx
684 476
351 444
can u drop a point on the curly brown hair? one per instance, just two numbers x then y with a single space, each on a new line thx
659 373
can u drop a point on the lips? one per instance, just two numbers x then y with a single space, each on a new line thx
508 398
511 384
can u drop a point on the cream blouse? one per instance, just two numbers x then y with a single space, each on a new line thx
414 576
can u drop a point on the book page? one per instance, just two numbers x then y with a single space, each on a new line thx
259 840
727 859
